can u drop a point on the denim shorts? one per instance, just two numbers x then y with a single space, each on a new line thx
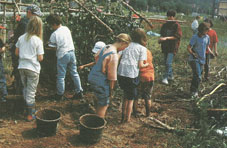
102 93
129 86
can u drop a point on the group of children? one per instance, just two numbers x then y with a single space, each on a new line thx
135 64
126 60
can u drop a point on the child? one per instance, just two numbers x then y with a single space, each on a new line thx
170 40
98 45
195 25
61 39
197 49
29 48
147 81
213 47
3 88
128 71
103 75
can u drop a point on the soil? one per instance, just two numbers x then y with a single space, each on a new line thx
170 105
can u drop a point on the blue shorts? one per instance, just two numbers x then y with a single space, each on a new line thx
129 86
102 93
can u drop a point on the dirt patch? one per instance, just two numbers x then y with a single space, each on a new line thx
170 106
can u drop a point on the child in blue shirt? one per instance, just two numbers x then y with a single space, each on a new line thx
197 49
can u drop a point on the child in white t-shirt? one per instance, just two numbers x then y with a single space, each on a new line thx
29 48
61 39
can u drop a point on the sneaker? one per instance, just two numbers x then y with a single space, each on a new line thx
3 100
165 81
77 96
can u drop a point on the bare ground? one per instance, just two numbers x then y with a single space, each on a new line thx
171 105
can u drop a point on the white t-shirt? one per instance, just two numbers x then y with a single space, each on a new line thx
195 24
29 51
62 40
130 57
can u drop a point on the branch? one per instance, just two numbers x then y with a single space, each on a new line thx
165 126
133 10
12 3
205 96
18 9
100 21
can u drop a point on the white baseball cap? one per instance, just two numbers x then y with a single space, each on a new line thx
98 45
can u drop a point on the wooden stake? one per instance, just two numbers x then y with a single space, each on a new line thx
133 10
100 21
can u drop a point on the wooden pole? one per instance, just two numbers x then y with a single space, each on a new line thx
100 21
4 23
130 7
12 3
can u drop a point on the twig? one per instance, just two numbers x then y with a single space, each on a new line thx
128 6
100 21
217 109
12 3
161 123
205 96
219 73
165 126
18 9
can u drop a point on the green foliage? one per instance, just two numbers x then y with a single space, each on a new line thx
86 30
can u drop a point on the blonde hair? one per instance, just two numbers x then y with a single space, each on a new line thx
35 27
123 37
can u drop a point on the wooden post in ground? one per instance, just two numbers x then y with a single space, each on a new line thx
4 23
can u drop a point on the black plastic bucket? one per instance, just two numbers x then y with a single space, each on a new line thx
47 121
91 128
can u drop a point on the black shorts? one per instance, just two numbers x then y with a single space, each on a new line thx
129 86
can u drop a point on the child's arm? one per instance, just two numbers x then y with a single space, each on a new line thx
112 83
166 38
2 49
48 47
142 64
40 57
86 65
215 49
191 52
17 52
211 52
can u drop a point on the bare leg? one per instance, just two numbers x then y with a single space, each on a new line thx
124 107
101 111
135 107
129 109
148 107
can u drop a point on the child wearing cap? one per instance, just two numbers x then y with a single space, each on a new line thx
61 41
32 10
103 75
98 45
